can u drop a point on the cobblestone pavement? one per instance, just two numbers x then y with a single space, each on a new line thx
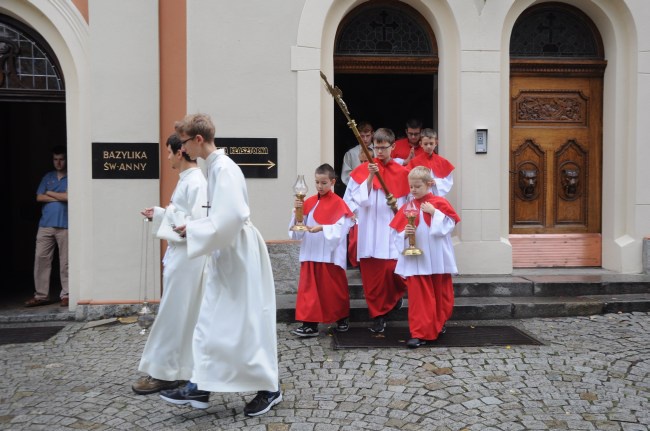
593 373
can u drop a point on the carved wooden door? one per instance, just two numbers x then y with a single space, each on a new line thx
555 170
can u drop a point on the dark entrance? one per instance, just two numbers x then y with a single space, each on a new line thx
385 63
386 100
32 122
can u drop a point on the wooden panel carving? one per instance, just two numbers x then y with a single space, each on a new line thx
571 184
528 183
549 107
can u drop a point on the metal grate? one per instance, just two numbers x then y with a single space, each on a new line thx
31 334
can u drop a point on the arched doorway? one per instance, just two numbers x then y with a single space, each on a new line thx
386 63
556 92
32 121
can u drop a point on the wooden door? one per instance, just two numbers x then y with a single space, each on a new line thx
555 170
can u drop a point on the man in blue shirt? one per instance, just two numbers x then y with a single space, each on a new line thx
52 192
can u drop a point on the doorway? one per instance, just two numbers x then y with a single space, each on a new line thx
556 92
32 122
386 64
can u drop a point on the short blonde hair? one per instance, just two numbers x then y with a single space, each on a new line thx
421 173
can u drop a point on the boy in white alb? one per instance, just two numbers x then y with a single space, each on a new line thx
427 276
323 294
167 356
235 339
376 252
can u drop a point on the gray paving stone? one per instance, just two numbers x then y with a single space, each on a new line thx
592 373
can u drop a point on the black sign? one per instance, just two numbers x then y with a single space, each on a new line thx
126 160
257 157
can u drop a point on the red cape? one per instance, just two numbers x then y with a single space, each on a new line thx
329 210
395 177
441 204
440 166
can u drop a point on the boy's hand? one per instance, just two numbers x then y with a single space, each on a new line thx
147 212
411 155
409 230
373 168
428 208
314 229
180 230
297 203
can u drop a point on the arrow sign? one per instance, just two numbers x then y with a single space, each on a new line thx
255 156
268 163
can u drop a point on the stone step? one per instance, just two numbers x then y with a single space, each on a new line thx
534 285
502 307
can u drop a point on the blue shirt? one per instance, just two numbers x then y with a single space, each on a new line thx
55 214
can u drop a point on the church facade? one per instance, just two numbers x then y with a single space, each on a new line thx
537 104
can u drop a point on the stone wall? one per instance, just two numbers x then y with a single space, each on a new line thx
286 267
646 255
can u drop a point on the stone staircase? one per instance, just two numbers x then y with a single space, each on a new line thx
527 293
530 293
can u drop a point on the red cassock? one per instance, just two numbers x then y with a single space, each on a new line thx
323 294
430 304
353 237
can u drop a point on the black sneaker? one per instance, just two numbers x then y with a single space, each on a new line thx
443 330
187 394
412 343
306 331
379 325
342 325
398 305
262 403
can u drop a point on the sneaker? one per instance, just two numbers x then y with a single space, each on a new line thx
188 394
306 331
342 325
444 329
148 385
262 403
379 325
412 343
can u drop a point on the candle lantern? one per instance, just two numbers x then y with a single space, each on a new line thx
300 191
411 212
146 317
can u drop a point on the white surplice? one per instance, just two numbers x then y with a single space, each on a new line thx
328 245
167 354
235 340
436 244
374 216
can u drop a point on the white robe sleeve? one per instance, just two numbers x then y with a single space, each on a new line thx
156 220
358 193
443 185
399 239
227 213
441 225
